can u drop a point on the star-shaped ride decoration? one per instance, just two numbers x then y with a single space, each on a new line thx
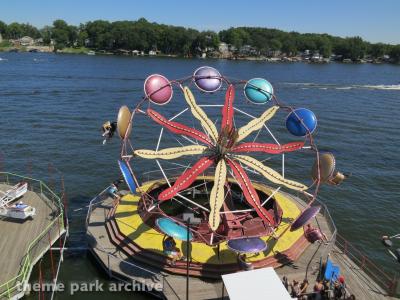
222 149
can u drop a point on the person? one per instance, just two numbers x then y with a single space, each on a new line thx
351 297
318 290
285 283
170 249
303 290
295 289
337 291
108 129
339 288
314 234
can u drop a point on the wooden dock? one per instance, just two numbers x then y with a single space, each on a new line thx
22 238
118 264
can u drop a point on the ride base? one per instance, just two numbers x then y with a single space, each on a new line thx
131 251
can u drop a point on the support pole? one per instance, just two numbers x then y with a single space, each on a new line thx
187 258
51 258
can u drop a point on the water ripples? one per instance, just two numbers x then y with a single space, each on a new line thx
52 111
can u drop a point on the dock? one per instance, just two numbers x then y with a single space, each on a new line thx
24 242
118 264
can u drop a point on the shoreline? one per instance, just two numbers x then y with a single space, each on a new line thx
88 51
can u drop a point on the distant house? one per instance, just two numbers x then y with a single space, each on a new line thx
316 57
39 42
223 47
122 52
209 49
154 52
26 41
274 53
135 52
248 50
232 48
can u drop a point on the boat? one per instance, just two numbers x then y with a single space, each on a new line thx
91 52
204 208
10 209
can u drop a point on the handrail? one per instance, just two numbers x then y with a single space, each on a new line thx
92 205
11 285
383 279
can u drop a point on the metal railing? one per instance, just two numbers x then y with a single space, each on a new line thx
10 288
385 281
138 271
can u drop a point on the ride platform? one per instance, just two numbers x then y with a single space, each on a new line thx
124 260
127 226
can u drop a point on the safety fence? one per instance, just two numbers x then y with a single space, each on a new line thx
135 271
387 282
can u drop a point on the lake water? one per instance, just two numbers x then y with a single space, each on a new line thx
52 107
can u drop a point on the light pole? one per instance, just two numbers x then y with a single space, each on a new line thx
187 258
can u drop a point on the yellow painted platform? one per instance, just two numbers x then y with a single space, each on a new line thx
132 226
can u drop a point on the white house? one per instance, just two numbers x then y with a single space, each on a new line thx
223 47
26 41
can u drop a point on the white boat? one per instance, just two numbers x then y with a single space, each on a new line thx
91 52
18 210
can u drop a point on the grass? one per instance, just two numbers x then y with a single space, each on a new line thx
72 50
5 45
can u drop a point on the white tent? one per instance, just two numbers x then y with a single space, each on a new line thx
256 284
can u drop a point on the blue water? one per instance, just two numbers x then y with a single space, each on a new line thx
52 107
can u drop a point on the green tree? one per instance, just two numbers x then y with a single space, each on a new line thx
99 34
45 33
275 45
3 29
82 35
235 36
353 48
395 53
377 50
60 33
14 31
289 47
324 46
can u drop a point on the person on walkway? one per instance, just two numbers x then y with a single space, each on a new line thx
285 283
313 234
303 290
318 290
295 289
170 249
340 288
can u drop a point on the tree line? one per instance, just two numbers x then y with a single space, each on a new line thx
144 36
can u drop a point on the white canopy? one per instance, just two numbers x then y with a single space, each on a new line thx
256 284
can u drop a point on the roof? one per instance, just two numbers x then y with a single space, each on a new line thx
256 284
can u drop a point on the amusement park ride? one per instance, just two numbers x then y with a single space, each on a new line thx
220 193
